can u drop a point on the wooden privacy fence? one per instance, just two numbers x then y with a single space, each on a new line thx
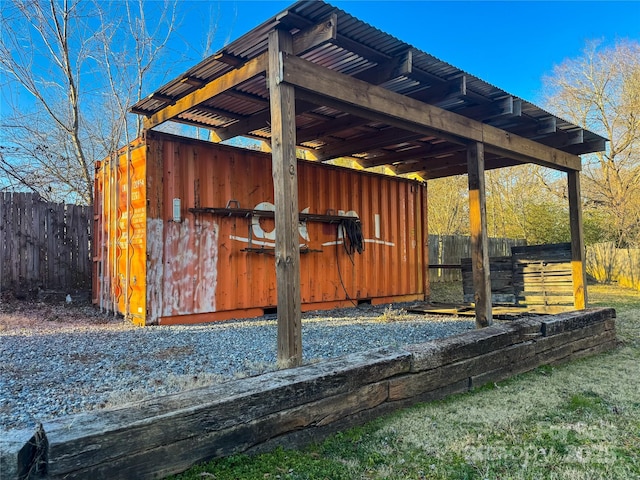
44 245
449 250
606 263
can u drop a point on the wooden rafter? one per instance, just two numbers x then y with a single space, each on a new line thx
249 70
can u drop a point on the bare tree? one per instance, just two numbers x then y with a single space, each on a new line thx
81 64
601 91
448 206
45 29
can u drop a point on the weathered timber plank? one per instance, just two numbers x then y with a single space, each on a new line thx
570 351
573 320
544 300
595 350
307 436
215 408
553 341
239 437
581 348
414 384
444 351
15 247
503 373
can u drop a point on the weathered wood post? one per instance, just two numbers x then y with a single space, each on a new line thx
479 237
285 185
577 241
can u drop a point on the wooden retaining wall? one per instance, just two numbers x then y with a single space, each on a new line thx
167 435
44 245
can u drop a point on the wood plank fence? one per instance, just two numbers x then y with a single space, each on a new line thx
449 250
44 245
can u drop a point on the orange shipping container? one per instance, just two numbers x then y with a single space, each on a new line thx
183 234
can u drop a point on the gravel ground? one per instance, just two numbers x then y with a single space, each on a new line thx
61 360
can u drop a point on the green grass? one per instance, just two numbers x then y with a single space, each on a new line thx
575 421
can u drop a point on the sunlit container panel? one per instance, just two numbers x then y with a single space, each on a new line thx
202 265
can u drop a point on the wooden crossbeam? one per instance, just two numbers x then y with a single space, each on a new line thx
372 115
456 167
249 70
507 106
426 162
324 129
380 104
316 35
417 151
369 142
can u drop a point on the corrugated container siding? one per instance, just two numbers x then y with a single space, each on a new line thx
198 270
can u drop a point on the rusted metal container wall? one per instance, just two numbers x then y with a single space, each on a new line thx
197 265
120 234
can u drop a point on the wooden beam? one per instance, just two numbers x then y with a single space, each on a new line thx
505 144
229 59
479 237
194 82
590 146
291 19
369 142
416 151
457 168
404 112
564 139
372 115
285 187
251 69
578 270
329 128
316 35
546 125
507 106
246 125
260 120
163 98
219 112
431 160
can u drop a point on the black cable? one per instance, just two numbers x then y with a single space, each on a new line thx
338 265
352 229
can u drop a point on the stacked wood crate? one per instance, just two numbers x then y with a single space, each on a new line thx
536 276
542 275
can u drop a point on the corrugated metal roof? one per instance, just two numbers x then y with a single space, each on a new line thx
360 50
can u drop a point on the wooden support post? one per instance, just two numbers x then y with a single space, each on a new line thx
424 215
479 237
285 186
577 242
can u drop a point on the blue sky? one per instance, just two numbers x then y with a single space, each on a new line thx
510 44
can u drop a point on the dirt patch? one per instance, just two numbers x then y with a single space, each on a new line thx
26 316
